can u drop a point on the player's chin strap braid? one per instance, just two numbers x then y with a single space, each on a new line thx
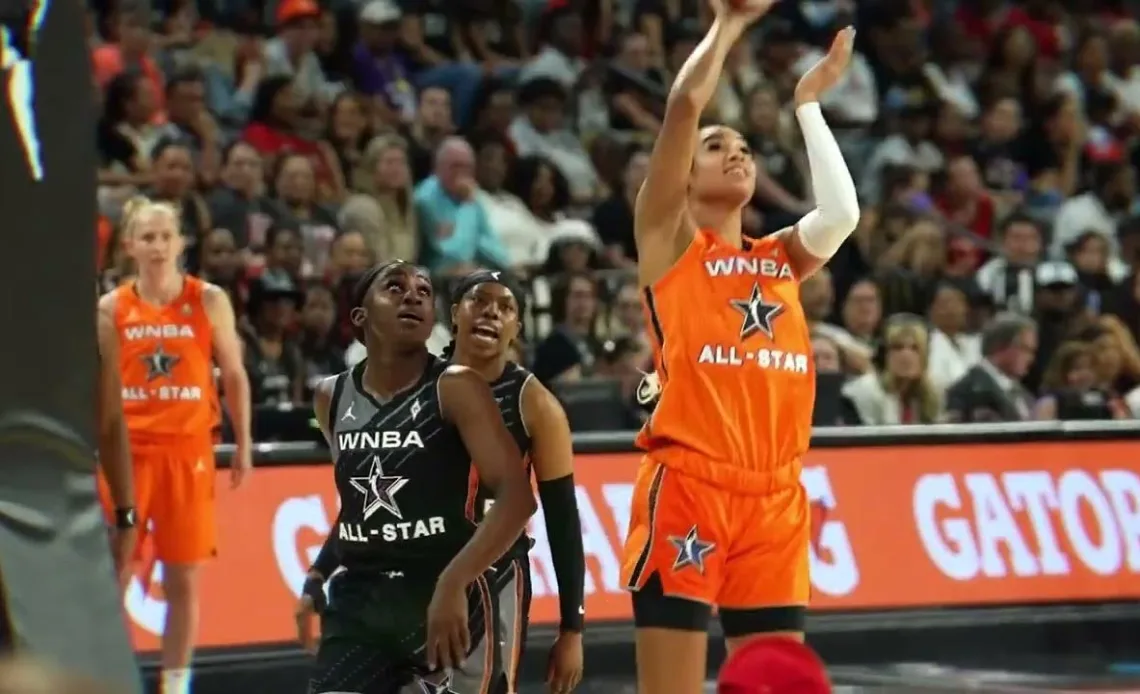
823 230
564 532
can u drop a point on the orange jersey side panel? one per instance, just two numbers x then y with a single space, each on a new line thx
166 361
733 355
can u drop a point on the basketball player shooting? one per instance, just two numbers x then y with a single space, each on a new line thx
719 517
172 328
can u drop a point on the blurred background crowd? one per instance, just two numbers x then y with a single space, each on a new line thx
993 276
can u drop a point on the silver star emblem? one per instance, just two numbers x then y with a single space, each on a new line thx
691 550
758 315
379 490
442 687
159 363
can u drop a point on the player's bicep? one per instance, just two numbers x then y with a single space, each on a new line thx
223 324
467 403
552 445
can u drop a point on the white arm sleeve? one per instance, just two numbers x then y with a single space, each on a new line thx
823 230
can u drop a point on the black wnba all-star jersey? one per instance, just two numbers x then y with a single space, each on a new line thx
403 475
508 393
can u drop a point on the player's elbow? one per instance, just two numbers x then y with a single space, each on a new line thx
844 217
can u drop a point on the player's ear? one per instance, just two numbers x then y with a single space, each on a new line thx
454 316
358 315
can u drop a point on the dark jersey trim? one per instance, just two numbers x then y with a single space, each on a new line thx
655 323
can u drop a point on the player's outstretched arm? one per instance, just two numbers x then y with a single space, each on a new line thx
821 232
552 454
661 201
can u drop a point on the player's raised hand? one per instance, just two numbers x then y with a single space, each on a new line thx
747 11
829 70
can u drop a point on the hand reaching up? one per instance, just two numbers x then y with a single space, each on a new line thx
829 70
747 11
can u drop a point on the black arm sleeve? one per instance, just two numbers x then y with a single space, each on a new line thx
328 559
564 532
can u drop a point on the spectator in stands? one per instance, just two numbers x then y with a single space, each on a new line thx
817 296
781 174
1090 255
909 145
433 124
912 267
347 134
384 211
1008 278
827 356
561 40
627 320
1117 357
966 204
493 113
996 154
620 359
284 254
1107 203
953 350
573 247
189 121
455 232
635 89
348 260
173 182
862 313
239 204
273 131
273 358
992 391
613 217
295 189
380 66
1052 153
322 357
495 35
1069 387
292 54
125 136
431 34
131 53
507 189
542 129
220 263
1060 312
901 393
568 352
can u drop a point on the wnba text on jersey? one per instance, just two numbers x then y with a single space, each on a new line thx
745 265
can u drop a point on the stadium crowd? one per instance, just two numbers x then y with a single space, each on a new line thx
995 275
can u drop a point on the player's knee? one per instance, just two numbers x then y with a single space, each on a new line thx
180 581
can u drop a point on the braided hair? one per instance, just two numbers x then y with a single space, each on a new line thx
360 292
469 282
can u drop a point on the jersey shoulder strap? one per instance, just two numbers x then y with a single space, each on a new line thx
334 405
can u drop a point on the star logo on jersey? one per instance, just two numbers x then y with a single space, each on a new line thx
379 490
159 364
691 550
443 687
758 315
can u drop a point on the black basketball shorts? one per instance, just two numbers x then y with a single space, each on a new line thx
373 634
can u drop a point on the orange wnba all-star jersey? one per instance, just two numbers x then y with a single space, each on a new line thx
733 355
166 362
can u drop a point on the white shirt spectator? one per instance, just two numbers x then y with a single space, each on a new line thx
1082 214
855 98
949 358
563 148
309 80
552 63
993 278
525 236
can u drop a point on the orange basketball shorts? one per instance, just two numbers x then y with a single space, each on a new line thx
715 546
175 501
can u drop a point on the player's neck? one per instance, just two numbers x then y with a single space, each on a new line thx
725 223
159 289
387 373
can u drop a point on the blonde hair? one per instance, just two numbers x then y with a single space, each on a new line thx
140 207
1129 352
1063 362
924 392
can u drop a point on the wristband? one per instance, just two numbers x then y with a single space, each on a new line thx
125 518
314 587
